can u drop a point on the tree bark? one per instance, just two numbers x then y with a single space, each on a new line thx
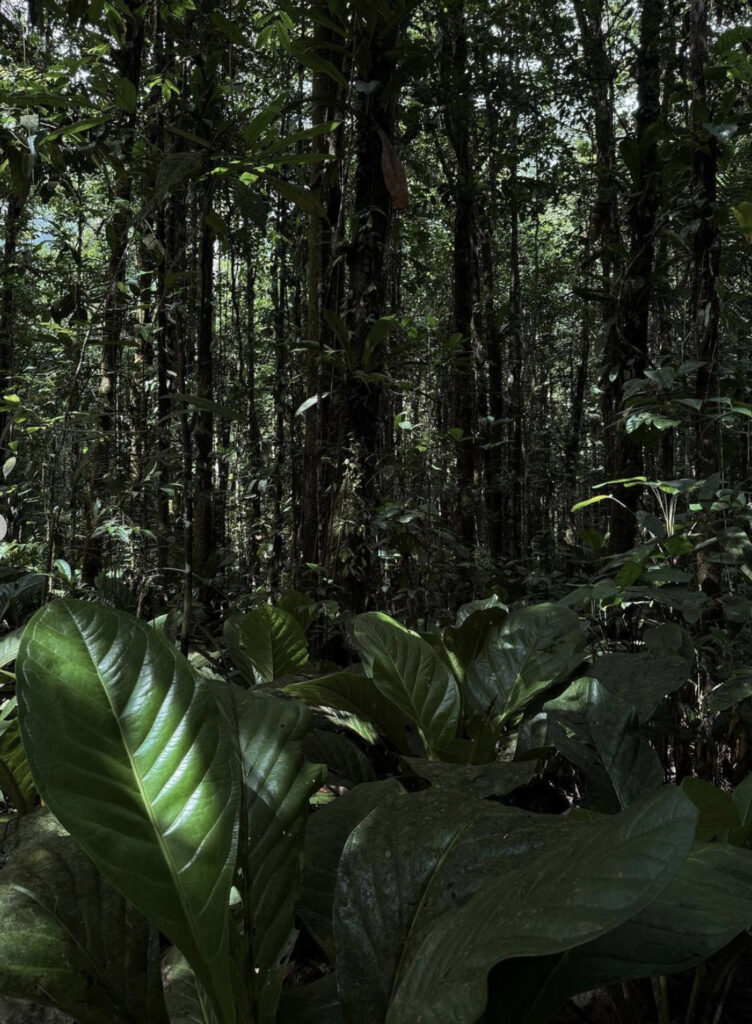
706 249
458 111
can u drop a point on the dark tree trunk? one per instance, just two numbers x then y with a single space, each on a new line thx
706 246
605 234
366 302
325 281
12 226
458 110
106 461
204 541
516 361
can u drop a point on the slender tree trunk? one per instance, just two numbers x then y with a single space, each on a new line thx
706 246
579 385
324 284
516 360
204 541
366 302
12 226
106 461
458 117
605 234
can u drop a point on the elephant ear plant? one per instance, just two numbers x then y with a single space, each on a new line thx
179 806
179 792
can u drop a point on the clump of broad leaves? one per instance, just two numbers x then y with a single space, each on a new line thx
184 854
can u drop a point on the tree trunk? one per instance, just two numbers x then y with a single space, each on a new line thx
458 117
12 226
106 459
605 234
366 303
204 541
706 246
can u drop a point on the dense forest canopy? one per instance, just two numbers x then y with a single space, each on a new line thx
364 297
376 555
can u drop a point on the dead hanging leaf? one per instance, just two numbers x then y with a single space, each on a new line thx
394 173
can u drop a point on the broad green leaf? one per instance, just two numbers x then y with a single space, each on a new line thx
718 812
277 784
600 734
16 780
129 751
68 939
484 604
703 908
742 797
642 680
411 861
584 883
534 648
410 673
326 835
9 647
317 1003
355 695
181 993
590 501
266 643
736 688
346 762
483 780
299 605
465 641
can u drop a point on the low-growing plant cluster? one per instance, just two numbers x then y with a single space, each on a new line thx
250 835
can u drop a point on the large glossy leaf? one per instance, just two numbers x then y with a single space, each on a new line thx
412 675
409 862
534 648
494 779
429 899
16 780
181 993
68 939
128 749
642 680
600 734
702 909
266 643
328 831
356 695
347 763
465 640
277 784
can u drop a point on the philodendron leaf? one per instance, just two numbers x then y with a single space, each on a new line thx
129 751
328 830
465 641
277 784
600 734
494 779
266 643
703 908
16 780
416 933
642 680
180 991
347 763
412 675
68 939
531 650
355 695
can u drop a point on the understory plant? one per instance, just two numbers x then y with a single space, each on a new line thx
183 866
